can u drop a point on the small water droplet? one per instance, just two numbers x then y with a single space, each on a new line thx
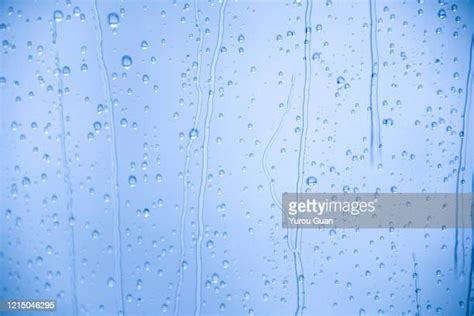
193 133
311 181
132 181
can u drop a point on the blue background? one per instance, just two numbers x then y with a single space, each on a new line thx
109 206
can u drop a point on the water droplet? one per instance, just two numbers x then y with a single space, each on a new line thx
127 61
113 19
388 122
110 282
193 133
311 181
340 80
132 181
442 14
58 15
97 126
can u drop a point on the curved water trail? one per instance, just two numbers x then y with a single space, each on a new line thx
465 115
116 192
67 168
188 159
299 272
207 128
375 137
266 170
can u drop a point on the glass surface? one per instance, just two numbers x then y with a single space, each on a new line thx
145 147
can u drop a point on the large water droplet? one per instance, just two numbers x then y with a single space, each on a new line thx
58 15
113 19
127 61
442 14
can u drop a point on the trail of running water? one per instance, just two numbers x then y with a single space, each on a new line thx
67 169
266 170
375 137
469 289
207 128
188 159
415 277
299 272
116 192
464 135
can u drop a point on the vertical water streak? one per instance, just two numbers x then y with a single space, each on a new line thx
115 191
299 273
188 158
375 138
207 127
415 277
469 289
67 169
463 136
